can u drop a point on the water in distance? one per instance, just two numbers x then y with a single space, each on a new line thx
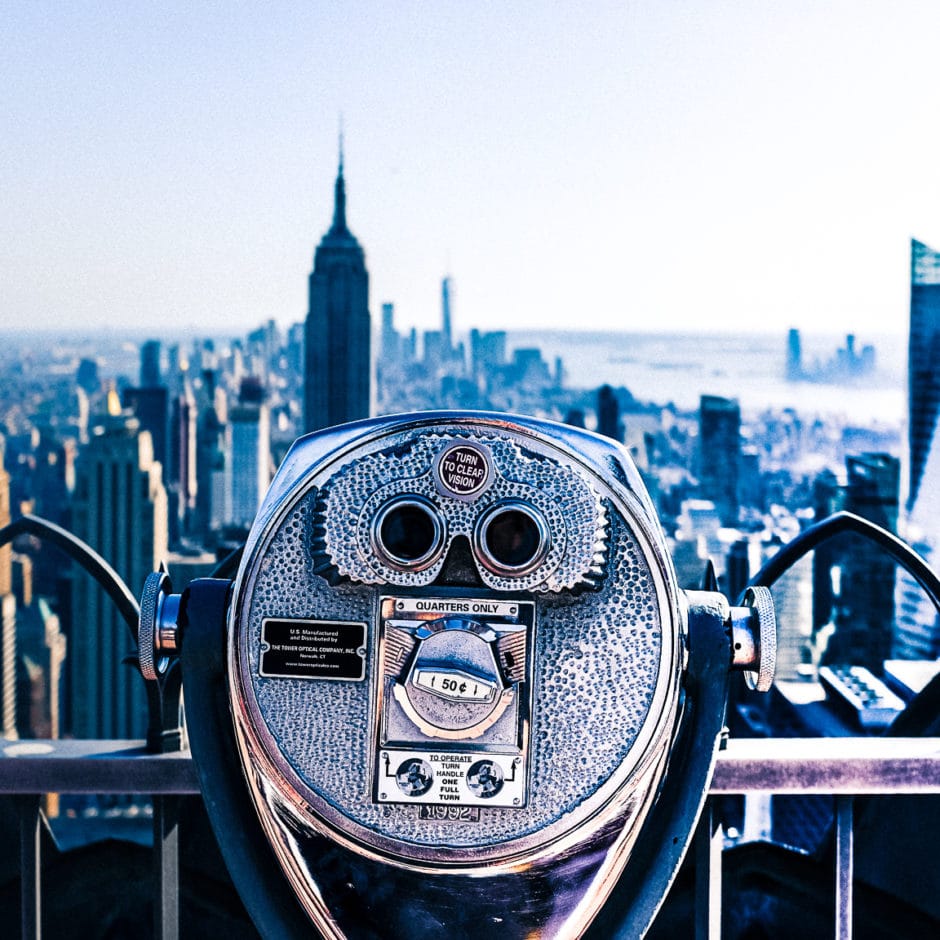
680 367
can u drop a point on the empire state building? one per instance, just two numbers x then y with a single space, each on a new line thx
337 361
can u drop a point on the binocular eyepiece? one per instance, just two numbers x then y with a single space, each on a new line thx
464 685
511 539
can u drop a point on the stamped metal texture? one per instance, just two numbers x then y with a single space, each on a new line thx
586 710
353 498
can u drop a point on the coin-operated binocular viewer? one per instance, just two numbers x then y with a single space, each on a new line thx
455 687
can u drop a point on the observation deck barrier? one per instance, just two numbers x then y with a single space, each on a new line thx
843 768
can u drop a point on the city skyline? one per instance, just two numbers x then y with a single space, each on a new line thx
728 482
721 449
735 168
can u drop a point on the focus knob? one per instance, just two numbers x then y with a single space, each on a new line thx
157 630
764 632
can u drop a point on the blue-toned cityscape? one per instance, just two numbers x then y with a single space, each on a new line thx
153 448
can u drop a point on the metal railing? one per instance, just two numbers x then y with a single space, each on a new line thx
841 767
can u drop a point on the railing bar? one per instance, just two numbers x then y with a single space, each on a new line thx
779 765
709 839
166 867
30 871
855 765
844 867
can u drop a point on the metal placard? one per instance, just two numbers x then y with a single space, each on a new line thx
313 649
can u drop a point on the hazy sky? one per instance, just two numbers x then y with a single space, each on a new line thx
664 164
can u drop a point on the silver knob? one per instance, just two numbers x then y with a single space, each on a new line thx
158 630
754 638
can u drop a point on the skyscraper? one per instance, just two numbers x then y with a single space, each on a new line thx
720 454
917 631
827 499
251 452
793 604
391 341
864 610
150 364
213 455
179 476
608 414
6 551
487 353
7 614
446 324
337 373
794 356
924 382
120 509
151 407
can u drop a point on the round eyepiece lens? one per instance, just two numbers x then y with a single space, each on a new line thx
513 538
408 532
